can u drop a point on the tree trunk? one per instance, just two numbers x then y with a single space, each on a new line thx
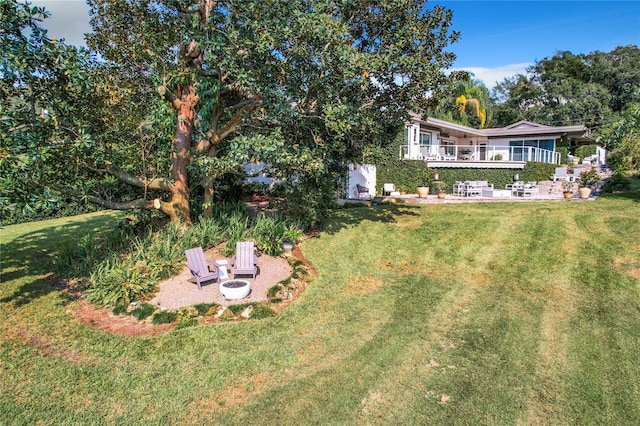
208 196
178 209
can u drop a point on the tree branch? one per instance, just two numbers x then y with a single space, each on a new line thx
127 205
169 96
214 136
161 184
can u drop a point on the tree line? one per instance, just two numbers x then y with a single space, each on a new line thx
600 90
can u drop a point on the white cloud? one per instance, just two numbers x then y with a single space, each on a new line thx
491 76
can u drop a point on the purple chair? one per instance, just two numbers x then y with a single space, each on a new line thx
244 261
200 268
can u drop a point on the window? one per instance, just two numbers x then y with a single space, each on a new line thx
449 147
425 140
521 152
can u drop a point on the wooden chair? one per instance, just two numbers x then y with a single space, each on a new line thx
200 267
244 262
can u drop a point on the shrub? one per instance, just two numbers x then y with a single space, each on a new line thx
164 317
617 182
186 322
204 308
113 285
143 311
120 310
588 178
262 310
309 200
273 291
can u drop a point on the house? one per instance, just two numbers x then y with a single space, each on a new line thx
444 144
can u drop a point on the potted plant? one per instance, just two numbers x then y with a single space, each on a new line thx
440 189
423 189
586 181
567 189
292 235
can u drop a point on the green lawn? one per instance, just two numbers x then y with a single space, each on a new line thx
501 313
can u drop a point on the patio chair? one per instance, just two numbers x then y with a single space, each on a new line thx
362 190
561 174
472 188
444 156
388 188
244 262
531 188
200 267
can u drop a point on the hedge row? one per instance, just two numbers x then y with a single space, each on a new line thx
407 175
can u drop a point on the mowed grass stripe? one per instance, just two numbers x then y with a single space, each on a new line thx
604 385
496 335
419 315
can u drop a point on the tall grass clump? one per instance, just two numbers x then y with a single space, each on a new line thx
132 273
128 267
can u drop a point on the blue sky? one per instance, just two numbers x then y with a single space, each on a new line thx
498 38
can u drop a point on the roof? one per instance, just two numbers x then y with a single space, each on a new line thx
522 128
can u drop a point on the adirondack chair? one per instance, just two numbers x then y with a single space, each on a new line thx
244 261
200 267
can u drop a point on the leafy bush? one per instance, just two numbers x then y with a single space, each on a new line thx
143 311
617 182
164 317
114 284
407 175
120 310
588 178
307 201
273 291
262 310
203 308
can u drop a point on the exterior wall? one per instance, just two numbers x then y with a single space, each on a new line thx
362 174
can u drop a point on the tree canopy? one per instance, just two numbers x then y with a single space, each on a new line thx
43 99
571 89
176 94
299 85
598 90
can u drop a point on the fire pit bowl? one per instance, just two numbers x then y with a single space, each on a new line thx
235 289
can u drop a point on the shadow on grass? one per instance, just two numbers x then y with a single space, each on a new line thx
385 213
32 254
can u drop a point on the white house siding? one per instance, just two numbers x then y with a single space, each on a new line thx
362 174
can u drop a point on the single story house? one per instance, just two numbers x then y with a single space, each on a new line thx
444 144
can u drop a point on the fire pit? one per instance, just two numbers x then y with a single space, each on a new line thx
235 289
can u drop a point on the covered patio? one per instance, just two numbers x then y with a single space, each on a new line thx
444 144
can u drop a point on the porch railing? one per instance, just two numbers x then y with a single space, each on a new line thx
480 153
